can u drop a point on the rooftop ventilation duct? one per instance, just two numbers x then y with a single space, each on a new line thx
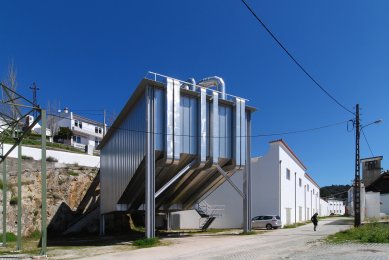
214 81
191 85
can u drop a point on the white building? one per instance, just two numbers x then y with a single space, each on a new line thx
336 207
279 186
86 132
282 186
323 208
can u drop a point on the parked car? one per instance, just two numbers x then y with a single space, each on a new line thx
268 222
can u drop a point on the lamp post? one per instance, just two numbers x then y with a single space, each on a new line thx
357 179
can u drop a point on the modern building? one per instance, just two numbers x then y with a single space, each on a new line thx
86 132
171 146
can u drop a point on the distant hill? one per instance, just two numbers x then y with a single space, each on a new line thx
337 191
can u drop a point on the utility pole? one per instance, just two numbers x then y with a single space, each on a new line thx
357 181
34 98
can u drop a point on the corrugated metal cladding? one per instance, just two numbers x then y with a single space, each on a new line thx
185 122
122 155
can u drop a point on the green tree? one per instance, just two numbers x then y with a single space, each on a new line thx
64 133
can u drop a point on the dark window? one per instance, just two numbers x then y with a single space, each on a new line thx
300 182
75 122
80 124
96 129
278 217
288 174
267 217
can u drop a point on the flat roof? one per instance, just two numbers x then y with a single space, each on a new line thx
372 158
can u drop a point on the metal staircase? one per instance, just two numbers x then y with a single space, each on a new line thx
208 213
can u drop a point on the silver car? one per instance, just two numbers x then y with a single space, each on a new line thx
268 222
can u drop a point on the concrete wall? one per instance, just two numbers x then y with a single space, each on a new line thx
372 205
384 198
62 157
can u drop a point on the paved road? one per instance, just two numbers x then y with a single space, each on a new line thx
297 243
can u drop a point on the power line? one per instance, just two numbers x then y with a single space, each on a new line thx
368 145
221 137
295 60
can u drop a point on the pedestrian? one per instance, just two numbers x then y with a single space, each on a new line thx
314 221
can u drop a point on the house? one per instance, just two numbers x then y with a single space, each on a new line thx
86 132
323 208
381 186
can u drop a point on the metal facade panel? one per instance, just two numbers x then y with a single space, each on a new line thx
159 119
237 132
243 124
169 118
177 119
215 127
225 131
121 156
203 125
189 125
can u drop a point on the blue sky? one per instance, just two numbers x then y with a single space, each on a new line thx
92 54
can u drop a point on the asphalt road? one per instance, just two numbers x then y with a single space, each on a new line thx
296 243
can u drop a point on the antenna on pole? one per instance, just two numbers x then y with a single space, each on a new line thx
34 98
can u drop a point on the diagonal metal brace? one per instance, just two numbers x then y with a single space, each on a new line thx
175 178
222 172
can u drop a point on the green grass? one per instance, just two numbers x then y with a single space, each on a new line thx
1 184
367 233
13 200
146 242
72 173
11 237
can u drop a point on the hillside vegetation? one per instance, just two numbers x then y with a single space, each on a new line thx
336 191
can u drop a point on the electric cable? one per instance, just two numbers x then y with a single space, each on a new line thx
368 145
295 60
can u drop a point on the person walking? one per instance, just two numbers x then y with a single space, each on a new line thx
314 221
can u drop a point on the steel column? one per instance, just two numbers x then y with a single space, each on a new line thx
150 164
43 170
247 179
102 224
5 182
19 232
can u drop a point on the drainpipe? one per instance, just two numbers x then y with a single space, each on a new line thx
305 202
295 197
279 189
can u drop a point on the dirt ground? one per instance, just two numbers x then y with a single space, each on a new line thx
296 243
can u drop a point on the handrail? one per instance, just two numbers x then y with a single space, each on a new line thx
154 76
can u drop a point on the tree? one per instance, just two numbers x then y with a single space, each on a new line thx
64 133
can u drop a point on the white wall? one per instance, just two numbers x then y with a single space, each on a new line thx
372 205
336 206
384 203
323 208
62 157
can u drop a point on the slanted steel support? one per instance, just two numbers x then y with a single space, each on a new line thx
43 170
150 164
175 178
222 172
5 182
19 232
247 179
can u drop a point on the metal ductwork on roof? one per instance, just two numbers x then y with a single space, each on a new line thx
214 81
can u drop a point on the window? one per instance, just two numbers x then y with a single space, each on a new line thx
300 182
287 174
97 142
75 123
96 129
78 123
307 187
100 130
77 139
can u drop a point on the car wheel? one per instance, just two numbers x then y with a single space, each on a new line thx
269 226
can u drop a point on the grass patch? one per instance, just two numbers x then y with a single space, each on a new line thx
72 173
146 242
11 237
367 233
296 225
1 184
36 235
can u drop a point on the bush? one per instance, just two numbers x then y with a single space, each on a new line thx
25 157
1 184
72 173
11 237
51 159
146 242
13 200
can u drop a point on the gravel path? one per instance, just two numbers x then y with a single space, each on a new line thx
296 243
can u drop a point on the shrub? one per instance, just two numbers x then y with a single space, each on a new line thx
13 200
51 159
72 173
11 237
1 184
25 157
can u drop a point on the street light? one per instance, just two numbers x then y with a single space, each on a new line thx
357 181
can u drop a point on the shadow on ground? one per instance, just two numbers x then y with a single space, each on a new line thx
348 221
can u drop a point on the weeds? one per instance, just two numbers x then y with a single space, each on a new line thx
51 159
11 237
146 242
367 233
